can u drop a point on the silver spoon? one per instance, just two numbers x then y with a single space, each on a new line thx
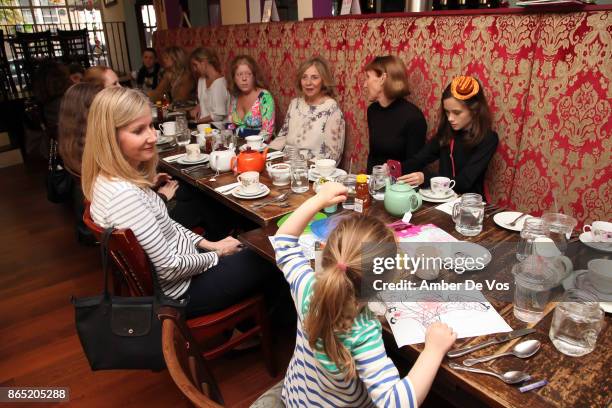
281 197
509 377
524 349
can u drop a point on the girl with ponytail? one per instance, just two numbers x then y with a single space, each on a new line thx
339 358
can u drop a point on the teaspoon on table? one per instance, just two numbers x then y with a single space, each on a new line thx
509 377
524 349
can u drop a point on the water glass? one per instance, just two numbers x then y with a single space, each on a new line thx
468 214
532 228
576 323
378 182
183 136
560 228
533 285
299 176
349 181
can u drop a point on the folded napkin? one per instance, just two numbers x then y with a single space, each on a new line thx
448 207
227 189
274 155
173 158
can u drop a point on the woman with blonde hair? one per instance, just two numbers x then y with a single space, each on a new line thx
314 121
101 75
118 171
251 105
339 358
397 128
212 87
177 81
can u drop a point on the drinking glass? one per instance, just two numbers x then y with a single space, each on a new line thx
183 136
378 182
533 284
468 214
349 181
532 228
576 323
299 176
560 227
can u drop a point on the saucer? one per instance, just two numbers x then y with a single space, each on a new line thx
236 193
579 279
261 148
427 192
504 218
164 139
261 188
427 195
184 160
313 174
587 239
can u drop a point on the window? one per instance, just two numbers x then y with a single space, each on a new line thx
147 24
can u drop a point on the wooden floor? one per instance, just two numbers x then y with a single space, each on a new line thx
41 267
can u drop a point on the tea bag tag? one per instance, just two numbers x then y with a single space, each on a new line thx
407 217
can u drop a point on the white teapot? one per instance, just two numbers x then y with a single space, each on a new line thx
221 159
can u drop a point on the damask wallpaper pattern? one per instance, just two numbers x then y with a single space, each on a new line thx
547 78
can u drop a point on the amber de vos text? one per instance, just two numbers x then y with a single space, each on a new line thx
414 264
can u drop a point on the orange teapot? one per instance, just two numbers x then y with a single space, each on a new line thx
249 160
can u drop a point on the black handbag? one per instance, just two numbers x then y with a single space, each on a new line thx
59 181
122 332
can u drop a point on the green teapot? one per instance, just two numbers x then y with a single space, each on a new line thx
401 198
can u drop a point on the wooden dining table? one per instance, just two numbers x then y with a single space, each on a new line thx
572 381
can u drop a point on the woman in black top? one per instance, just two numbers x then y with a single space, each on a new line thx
464 143
397 127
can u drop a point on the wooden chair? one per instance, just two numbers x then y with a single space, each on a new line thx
7 84
30 49
75 46
134 267
189 370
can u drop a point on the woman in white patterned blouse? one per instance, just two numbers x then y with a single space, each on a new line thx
314 121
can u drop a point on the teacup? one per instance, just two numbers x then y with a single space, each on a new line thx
254 142
168 128
280 173
193 152
600 274
600 230
202 126
249 181
325 167
441 186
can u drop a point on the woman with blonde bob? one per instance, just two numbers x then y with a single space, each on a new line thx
314 121
118 171
396 127
177 82
339 358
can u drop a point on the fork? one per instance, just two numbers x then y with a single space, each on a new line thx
517 219
214 178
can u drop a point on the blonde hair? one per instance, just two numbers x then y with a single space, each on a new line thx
328 86
179 61
396 84
206 54
334 304
112 109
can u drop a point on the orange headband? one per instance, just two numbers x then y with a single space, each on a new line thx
464 87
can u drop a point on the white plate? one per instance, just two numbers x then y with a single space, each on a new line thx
578 279
438 200
185 161
313 174
261 149
261 189
428 193
470 250
504 218
264 193
164 139
587 239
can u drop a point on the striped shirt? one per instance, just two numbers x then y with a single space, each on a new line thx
312 379
171 247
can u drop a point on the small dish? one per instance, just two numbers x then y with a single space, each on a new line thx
428 193
185 161
260 189
164 139
503 219
313 174
236 193
579 279
431 199
587 239
261 148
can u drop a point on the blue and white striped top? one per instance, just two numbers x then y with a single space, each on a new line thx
312 379
171 247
